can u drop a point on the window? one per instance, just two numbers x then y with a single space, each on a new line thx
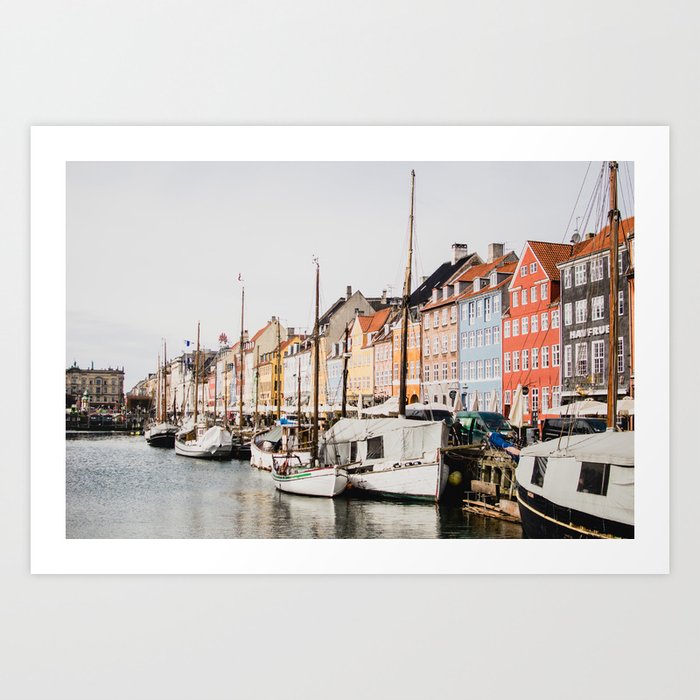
535 399
567 315
516 327
597 308
426 373
426 350
581 308
620 355
472 370
465 376
581 359
545 356
524 323
472 313
506 398
535 358
472 339
555 355
463 312
465 340
444 316
506 362
620 268
533 268
375 447
555 318
453 342
487 336
493 278
487 369
496 335
620 303
436 345
545 399
523 271
526 359
594 478
453 369
533 295
479 338
543 292
568 362
496 367
506 329
556 396
497 304
516 361
479 369
538 471
453 314
515 299
580 274
436 373
533 324
487 309
596 270
523 297
567 278
598 350
480 308
396 371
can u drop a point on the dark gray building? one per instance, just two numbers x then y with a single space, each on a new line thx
585 317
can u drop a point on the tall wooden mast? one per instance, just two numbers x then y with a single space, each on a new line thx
257 386
165 382
403 369
159 405
346 352
226 388
314 425
196 377
613 226
240 364
279 372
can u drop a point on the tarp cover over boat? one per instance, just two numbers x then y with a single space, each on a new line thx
215 437
402 439
606 448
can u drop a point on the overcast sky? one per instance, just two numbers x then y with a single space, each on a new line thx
154 247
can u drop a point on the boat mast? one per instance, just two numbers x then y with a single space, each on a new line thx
403 369
216 385
257 385
158 391
165 382
613 226
343 407
279 372
299 392
314 425
240 362
196 377
226 388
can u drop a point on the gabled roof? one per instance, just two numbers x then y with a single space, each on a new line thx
601 241
424 291
482 270
484 290
550 254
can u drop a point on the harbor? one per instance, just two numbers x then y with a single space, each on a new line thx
119 487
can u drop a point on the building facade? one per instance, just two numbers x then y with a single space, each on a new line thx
90 389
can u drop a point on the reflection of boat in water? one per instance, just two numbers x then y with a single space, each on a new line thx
280 441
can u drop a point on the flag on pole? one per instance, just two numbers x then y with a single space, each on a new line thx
188 343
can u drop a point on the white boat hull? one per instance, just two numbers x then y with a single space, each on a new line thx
323 481
213 444
422 480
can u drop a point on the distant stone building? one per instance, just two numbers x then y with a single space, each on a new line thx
94 388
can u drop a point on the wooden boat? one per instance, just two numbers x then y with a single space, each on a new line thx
582 486
289 473
279 442
161 433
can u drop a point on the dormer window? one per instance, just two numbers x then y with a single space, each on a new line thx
493 280
477 284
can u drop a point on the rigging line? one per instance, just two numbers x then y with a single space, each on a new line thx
573 211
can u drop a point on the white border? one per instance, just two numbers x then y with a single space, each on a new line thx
52 147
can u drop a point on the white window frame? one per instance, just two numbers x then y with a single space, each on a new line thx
525 359
581 311
620 355
543 291
515 299
516 361
534 323
555 318
621 302
496 335
533 295
506 329
567 278
581 359
568 314
487 336
556 356
515 327
524 325
597 308
506 362
568 361
598 356
496 367
533 268
535 358
523 271
545 356
523 297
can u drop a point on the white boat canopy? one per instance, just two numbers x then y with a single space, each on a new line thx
607 448
588 407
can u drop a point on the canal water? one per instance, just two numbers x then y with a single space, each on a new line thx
119 487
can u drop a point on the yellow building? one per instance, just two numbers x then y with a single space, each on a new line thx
361 362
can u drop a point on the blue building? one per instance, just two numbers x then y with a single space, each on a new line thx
480 352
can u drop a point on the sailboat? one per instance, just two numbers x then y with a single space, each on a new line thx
162 432
196 438
240 436
393 457
289 473
582 486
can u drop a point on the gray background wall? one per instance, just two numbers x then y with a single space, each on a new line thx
364 62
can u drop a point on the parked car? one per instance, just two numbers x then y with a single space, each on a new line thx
553 428
416 411
476 425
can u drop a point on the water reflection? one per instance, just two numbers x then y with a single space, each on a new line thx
119 487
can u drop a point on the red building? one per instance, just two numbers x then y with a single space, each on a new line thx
530 328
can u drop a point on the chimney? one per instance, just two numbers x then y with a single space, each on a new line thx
495 251
459 251
273 319
348 292
383 296
589 236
